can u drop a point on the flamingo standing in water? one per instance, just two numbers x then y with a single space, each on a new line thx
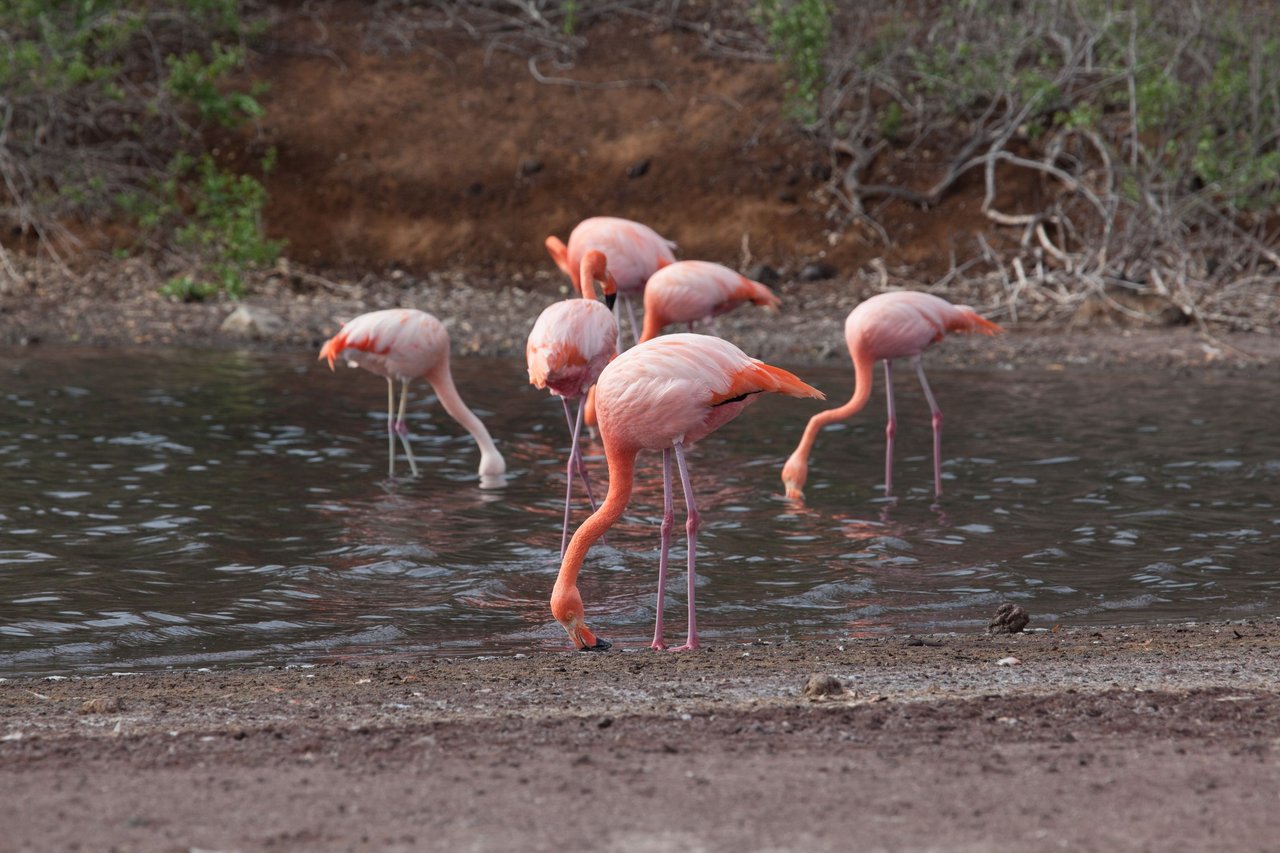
570 344
692 291
901 324
663 394
403 344
635 252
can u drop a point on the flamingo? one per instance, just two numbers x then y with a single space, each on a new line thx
690 291
901 324
403 344
570 344
635 252
663 395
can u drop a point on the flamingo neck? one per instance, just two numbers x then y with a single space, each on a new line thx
862 371
491 461
586 281
622 465
653 323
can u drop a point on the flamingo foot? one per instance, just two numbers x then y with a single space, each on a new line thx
687 647
658 646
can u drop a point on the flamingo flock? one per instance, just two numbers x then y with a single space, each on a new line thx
663 394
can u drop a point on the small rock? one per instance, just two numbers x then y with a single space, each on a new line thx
764 274
250 322
102 705
638 169
823 685
787 197
1009 619
530 166
1009 661
820 271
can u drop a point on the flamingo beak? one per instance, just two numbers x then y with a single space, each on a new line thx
609 299
601 645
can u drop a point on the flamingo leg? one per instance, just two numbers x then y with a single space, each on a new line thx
635 329
937 428
576 427
568 493
691 529
391 427
668 523
402 427
891 428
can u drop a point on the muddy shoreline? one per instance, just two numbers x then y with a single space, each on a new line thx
1152 737
1149 737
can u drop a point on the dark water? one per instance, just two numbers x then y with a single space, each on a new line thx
195 509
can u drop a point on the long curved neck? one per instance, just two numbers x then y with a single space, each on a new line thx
653 323
862 370
622 466
586 281
491 461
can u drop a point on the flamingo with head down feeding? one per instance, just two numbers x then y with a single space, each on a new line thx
663 394
635 252
901 324
404 344
695 291
569 346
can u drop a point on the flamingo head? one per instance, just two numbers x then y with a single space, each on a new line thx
566 606
794 473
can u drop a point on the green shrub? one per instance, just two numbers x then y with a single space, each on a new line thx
799 31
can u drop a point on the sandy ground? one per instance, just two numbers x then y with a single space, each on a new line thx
1144 738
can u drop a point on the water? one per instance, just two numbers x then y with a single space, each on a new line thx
211 508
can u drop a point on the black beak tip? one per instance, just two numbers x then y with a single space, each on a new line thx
600 646
609 299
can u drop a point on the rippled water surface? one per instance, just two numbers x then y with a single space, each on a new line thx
202 508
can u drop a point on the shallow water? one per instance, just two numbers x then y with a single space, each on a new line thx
202 508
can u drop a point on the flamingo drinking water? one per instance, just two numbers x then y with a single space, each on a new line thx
404 344
901 324
569 346
663 395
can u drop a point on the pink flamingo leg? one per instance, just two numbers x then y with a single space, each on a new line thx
937 429
402 427
691 528
668 524
891 428
635 329
391 427
575 459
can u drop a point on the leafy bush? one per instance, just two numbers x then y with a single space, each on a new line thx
108 107
799 31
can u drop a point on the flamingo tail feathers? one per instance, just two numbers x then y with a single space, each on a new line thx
759 376
968 320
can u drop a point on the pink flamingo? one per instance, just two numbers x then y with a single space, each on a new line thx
403 344
902 324
663 394
635 252
570 344
692 291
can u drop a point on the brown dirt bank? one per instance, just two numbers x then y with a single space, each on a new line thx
1122 738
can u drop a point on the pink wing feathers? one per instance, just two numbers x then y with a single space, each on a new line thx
690 291
400 343
904 323
635 251
682 387
570 345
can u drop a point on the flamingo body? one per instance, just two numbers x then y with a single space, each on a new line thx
663 394
888 326
403 344
693 291
635 251
570 345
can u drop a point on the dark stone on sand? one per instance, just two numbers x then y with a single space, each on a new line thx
638 169
823 685
764 274
1009 619
817 272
